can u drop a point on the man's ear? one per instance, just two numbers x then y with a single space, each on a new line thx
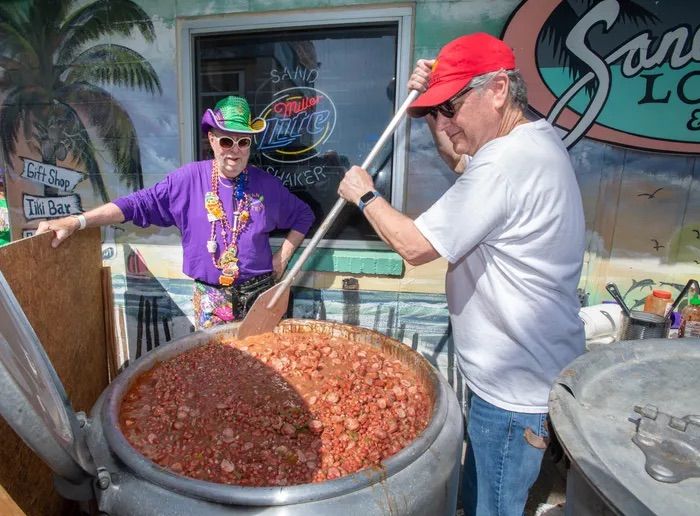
500 85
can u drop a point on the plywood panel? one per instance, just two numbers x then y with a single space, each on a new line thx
60 291
8 507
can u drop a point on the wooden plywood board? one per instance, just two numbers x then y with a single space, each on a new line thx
60 291
8 507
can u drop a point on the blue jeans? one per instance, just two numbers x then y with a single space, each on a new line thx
504 454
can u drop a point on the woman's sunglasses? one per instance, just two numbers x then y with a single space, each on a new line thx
447 108
226 142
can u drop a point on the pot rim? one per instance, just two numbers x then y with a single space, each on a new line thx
261 496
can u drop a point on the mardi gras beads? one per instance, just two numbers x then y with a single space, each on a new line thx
212 203
227 262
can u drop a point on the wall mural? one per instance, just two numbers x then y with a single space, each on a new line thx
89 111
622 72
55 107
61 125
625 75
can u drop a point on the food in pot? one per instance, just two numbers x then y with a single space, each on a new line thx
275 410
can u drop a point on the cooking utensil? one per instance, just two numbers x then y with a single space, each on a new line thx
683 294
638 325
612 288
271 305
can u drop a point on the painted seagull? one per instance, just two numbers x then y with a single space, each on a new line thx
656 244
651 195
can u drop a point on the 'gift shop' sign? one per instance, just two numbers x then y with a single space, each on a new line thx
622 72
63 179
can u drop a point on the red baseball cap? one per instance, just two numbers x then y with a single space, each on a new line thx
458 63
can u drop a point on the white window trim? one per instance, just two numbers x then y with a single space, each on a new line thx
187 28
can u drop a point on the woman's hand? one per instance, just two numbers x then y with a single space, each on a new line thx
63 228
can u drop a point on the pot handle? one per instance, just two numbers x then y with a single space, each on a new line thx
682 295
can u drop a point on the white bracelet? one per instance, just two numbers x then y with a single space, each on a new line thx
82 221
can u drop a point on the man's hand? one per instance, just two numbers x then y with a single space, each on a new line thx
421 75
279 265
355 184
63 228
281 258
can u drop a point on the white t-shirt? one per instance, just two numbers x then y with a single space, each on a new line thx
512 229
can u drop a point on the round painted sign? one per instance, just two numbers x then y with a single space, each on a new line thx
626 73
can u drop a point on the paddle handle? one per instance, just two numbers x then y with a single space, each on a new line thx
340 203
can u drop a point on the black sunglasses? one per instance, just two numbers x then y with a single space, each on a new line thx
226 142
447 108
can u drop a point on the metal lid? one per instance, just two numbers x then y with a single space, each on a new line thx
647 317
34 402
595 408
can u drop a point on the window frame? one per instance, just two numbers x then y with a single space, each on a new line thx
403 16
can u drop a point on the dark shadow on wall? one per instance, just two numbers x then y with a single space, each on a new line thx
152 318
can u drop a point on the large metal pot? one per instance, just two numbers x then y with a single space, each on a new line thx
420 479
91 458
628 418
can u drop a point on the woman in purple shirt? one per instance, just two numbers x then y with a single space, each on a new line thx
225 210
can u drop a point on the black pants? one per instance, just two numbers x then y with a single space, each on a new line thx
244 295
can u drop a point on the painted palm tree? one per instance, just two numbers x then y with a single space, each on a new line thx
54 68
567 14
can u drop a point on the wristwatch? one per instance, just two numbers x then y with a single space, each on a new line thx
367 198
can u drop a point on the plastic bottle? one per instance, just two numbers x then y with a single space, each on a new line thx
658 302
690 319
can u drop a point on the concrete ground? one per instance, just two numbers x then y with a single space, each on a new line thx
548 494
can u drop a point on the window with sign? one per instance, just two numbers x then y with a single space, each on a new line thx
326 89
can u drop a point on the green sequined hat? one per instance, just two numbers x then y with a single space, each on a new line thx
232 114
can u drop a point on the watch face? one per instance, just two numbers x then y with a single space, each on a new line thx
368 196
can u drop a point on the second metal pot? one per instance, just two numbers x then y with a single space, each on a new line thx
644 325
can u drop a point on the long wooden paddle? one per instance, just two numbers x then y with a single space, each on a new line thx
271 305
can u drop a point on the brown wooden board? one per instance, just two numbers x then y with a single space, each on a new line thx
110 339
8 507
60 291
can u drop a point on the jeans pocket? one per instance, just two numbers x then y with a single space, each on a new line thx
537 435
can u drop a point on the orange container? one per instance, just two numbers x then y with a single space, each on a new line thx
658 302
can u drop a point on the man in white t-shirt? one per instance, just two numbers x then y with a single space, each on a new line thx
512 230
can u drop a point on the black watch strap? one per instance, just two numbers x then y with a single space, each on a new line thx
367 198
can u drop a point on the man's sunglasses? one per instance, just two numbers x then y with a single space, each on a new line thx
447 108
226 142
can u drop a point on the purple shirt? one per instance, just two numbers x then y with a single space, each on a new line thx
178 200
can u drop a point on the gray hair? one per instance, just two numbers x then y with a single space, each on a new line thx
517 89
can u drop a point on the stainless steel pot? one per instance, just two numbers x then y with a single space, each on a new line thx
644 325
420 479
91 458
626 416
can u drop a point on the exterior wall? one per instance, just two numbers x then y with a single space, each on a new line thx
152 295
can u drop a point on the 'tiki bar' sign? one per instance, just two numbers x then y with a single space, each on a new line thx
50 207
620 71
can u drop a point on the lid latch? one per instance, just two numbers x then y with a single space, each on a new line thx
670 444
